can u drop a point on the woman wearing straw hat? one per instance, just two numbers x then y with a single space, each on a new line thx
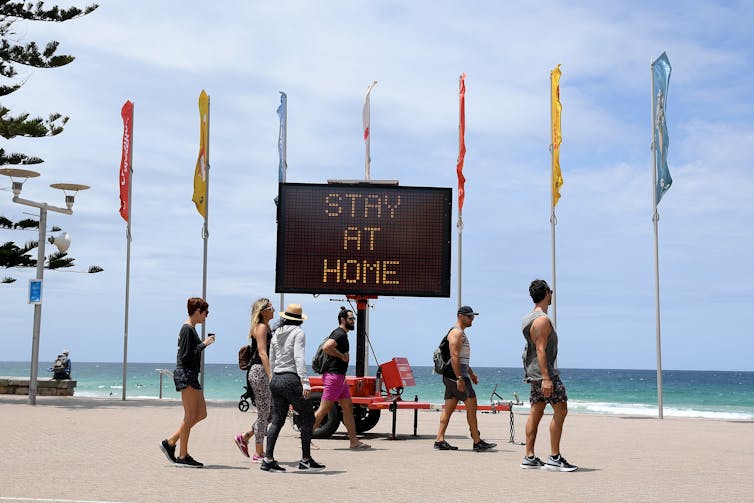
289 385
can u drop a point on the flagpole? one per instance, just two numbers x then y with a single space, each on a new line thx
553 217
128 260
459 170
205 234
283 168
655 220
366 118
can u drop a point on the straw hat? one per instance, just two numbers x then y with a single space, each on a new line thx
294 312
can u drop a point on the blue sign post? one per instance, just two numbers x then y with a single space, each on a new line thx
35 291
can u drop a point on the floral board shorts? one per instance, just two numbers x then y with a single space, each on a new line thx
558 392
183 378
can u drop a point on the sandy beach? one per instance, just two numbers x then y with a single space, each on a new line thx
82 449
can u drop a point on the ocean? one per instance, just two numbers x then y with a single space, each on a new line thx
686 393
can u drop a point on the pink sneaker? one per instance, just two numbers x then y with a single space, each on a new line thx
256 459
242 444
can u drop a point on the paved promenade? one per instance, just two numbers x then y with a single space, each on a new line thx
98 450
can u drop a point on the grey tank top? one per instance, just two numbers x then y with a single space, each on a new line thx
532 371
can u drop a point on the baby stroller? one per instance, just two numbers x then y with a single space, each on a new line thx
248 396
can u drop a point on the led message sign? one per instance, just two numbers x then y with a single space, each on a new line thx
363 239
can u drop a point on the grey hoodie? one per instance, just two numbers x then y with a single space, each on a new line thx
287 352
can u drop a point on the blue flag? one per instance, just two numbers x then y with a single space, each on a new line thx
282 136
660 80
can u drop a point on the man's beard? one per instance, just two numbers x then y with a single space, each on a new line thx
350 325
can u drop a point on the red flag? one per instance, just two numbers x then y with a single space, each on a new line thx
127 112
461 140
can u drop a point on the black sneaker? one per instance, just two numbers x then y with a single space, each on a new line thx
168 450
532 463
310 465
483 446
188 462
560 464
442 445
271 466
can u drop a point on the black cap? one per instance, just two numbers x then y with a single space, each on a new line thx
466 310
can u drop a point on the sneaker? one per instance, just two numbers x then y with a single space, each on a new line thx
256 458
310 466
168 450
483 446
444 446
188 462
271 466
532 463
242 444
560 464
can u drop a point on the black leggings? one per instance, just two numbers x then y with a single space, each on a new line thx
286 390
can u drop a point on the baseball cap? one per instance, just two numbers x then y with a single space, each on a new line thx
467 311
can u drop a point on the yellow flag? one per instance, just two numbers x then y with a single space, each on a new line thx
202 162
557 139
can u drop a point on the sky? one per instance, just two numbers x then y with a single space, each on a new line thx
160 55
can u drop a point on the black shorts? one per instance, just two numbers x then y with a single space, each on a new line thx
452 391
558 392
183 378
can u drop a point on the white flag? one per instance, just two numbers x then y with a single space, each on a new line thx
365 124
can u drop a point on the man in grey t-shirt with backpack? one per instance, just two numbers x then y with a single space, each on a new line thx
459 379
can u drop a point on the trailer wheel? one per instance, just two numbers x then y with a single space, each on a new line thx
365 418
328 425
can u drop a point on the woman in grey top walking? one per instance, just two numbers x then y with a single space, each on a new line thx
289 386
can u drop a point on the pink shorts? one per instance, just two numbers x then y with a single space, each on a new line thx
336 388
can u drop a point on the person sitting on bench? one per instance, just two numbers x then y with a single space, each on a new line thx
61 368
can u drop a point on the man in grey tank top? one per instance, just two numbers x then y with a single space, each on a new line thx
541 371
459 379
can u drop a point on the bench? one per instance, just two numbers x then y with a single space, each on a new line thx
46 386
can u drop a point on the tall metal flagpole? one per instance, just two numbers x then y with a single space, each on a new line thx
461 178
205 233
553 223
553 217
366 118
283 153
128 256
655 220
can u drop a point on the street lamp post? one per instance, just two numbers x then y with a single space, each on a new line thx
70 190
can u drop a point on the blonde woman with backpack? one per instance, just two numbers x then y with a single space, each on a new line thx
262 311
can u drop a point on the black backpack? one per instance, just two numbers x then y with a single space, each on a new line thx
441 356
320 358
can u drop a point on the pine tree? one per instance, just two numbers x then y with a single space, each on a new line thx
13 55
